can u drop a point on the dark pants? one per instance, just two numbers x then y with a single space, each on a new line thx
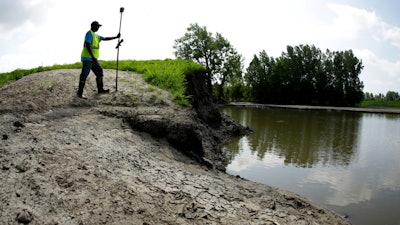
89 65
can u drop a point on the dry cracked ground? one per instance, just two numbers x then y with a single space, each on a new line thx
64 160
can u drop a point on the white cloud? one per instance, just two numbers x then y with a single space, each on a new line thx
345 188
353 23
392 34
52 31
372 40
351 26
383 75
248 159
15 13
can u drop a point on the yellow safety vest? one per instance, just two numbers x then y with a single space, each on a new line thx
95 46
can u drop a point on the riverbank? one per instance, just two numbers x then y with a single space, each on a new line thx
65 160
331 108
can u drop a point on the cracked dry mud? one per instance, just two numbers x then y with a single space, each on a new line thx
64 161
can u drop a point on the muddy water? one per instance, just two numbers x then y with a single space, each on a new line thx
345 161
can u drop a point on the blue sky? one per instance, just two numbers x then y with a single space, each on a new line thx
47 32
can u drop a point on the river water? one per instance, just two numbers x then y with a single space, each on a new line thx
348 162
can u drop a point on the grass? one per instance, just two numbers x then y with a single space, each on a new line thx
381 103
167 74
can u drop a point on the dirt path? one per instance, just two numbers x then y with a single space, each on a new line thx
65 161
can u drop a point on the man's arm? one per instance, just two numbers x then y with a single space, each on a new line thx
111 38
89 48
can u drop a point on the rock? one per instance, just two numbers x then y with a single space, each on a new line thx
31 106
23 166
18 124
24 217
5 167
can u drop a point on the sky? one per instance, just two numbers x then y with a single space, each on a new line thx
46 32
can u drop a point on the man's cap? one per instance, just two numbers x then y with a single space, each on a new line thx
95 23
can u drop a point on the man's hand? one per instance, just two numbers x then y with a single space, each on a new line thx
118 35
94 60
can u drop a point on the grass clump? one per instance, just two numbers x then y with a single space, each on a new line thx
167 74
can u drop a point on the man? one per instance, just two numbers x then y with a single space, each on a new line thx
89 58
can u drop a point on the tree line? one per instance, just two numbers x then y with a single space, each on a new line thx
302 75
390 96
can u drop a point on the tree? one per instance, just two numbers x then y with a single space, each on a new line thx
392 96
260 77
368 96
347 85
215 53
305 75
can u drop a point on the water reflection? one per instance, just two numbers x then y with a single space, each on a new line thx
348 162
302 138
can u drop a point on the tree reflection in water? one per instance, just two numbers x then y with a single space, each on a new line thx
301 137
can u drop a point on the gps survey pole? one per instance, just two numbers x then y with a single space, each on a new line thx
121 10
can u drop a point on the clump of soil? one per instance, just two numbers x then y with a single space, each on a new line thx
64 160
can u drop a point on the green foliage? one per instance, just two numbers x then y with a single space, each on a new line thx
390 96
391 99
380 103
235 92
305 75
221 60
167 74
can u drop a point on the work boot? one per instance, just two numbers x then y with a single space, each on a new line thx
80 89
100 86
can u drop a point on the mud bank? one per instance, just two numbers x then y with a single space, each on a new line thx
64 160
